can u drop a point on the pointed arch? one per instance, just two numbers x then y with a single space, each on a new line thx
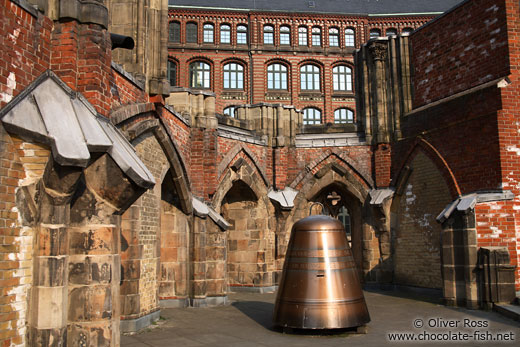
137 120
420 144
245 170
247 153
342 160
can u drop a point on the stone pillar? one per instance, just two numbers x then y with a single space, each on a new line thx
459 260
94 253
49 299
198 263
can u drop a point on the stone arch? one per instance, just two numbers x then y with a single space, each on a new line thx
241 198
154 233
421 192
341 162
136 120
436 157
240 151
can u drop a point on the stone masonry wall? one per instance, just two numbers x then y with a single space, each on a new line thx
416 233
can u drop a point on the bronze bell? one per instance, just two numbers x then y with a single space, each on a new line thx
319 287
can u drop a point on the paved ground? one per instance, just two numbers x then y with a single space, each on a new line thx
247 322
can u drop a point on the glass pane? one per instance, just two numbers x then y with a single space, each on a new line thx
191 32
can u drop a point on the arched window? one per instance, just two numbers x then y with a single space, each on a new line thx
391 32
233 76
285 35
342 78
343 116
350 40
200 75
241 34
277 76
268 35
172 73
310 77
344 218
225 33
230 111
375 33
174 32
407 30
333 37
191 32
302 36
311 116
208 33
316 36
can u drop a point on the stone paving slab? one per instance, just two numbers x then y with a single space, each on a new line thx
247 322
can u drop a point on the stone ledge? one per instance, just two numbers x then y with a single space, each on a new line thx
174 303
209 301
134 325
247 289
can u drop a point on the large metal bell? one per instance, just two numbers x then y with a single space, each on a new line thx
320 286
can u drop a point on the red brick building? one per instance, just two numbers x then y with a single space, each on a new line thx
295 53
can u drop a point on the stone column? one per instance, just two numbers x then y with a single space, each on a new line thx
459 260
198 263
48 317
94 253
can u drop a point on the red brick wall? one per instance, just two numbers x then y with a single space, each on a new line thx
509 139
124 91
477 135
288 163
25 49
460 50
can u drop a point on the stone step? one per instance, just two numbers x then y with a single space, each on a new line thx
508 310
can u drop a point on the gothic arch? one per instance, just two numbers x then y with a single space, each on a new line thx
244 152
421 145
340 162
137 120
241 198
244 170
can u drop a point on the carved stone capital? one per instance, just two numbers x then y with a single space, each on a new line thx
378 51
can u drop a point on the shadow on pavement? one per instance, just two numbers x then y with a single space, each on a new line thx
262 313
259 311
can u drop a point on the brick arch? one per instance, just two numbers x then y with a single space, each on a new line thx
278 60
134 124
201 58
247 154
343 62
311 62
352 167
436 157
245 170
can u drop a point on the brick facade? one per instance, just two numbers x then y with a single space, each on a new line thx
255 56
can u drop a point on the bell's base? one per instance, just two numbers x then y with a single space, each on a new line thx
323 316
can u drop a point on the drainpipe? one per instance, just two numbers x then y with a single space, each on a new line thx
250 34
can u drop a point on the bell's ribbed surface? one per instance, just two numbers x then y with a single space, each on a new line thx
319 287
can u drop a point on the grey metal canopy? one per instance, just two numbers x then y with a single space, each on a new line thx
49 112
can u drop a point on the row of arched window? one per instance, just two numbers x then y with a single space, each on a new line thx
269 37
312 115
375 33
277 76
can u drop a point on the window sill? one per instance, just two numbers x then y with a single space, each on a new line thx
329 128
